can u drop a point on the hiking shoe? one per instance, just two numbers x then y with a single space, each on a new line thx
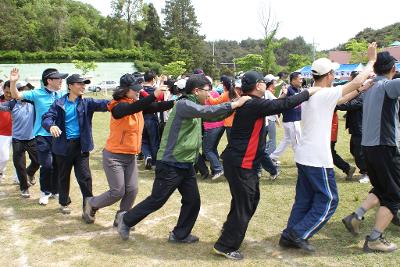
25 193
292 240
350 173
273 177
31 180
233 255
378 245
364 179
87 212
189 239
217 175
65 209
123 229
396 220
44 198
147 163
352 224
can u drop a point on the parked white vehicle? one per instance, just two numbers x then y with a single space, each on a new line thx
103 86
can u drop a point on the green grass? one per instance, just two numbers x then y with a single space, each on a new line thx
40 236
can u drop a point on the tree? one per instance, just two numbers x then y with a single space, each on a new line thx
85 67
175 68
249 62
152 32
358 51
297 61
270 28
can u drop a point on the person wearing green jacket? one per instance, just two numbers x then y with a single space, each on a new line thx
179 149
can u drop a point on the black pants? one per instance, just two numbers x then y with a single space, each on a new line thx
337 160
48 166
245 191
356 151
383 167
80 161
167 180
201 166
19 149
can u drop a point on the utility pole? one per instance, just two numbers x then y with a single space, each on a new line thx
314 49
213 52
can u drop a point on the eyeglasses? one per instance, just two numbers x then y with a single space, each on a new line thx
207 90
261 81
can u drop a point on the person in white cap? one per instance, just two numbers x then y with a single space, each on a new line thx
316 192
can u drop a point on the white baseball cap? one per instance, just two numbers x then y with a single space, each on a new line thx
322 66
181 84
269 78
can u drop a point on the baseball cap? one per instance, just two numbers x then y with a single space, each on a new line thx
77 78
250 78
23 84
55 75
129 81
269 78
322 66
181 84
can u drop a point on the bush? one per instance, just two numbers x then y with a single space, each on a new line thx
143 66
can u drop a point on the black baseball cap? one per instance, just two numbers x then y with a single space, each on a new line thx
250 78
77 78
55 75
129 81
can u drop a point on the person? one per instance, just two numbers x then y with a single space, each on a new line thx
179 148
69 120
281 84
316 196
43 98
290 119
123 144
23 117
380 128
354 116
243 156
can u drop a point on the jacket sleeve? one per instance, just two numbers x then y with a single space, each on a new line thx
276 106
188 109
98 104
125 109
159 106
49 118
224 97
5 106
354 104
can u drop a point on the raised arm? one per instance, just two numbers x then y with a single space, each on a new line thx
14 77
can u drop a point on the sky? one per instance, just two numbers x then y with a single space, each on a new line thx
324 23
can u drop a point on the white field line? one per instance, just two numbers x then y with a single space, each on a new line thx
86 235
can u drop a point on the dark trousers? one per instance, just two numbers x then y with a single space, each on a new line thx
337 160
228 133
383 167
356 151
211 138
48 168
315 202
151 137
168 179
19 149
80 161
244 187
201 166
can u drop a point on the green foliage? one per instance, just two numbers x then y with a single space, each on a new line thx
85 44
85 67
249 62
175 68
297 61
358 50
152 32
143 66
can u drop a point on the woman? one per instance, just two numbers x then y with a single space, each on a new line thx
123 144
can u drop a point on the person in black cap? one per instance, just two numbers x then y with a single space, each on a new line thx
69 121
243 156
43 98
123 144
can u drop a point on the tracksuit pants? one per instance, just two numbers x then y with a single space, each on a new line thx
48 168
292 134
315 202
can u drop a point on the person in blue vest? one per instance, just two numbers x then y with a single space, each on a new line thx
69 120
42 99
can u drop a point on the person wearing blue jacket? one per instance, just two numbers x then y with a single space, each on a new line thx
69 120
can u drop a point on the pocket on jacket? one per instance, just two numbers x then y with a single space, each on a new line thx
129 138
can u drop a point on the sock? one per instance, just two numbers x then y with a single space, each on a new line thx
375 234
360 213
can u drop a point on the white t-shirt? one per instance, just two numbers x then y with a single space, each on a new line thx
316 116
270 96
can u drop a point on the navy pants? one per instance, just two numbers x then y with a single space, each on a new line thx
315 202
48 167
151 137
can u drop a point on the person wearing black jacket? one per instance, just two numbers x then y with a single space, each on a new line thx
243 155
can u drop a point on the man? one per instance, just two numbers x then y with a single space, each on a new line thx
23 118
291 119
43 98
380 129
243 156
316 193
69 120
179 149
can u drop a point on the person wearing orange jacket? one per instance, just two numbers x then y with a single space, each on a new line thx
123 145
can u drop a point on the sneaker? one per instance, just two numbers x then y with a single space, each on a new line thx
352 224
350 173
31 180
115 223
25 193
55 196
233 255
276 162
44 198
273 177
65 209
291 240
87 212
217 175
140 156
378 245
189 239
205 176
284 242
364 179
123 229
147 163
15 180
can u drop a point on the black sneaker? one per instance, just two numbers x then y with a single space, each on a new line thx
31 180
147 163
350 173
140 156
292 240
233 255
284 242
189 239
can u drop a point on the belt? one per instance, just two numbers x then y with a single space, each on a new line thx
74 140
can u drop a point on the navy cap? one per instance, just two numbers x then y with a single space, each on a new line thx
77 78
131 82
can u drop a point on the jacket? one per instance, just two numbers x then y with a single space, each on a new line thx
354 114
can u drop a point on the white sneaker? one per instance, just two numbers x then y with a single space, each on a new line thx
44 198
364 179
54 196
217 175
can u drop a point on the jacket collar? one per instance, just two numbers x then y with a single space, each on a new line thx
61 102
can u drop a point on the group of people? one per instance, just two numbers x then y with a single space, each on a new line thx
55 127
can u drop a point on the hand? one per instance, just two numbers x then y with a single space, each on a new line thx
159 90
240 101
55 131
14 75
313 90
284 90
366 85
372 47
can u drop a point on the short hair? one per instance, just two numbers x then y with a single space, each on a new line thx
294 75
6 84
196 81
45 73
281 74
319 77
149 75
120 92
384 63
1 80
